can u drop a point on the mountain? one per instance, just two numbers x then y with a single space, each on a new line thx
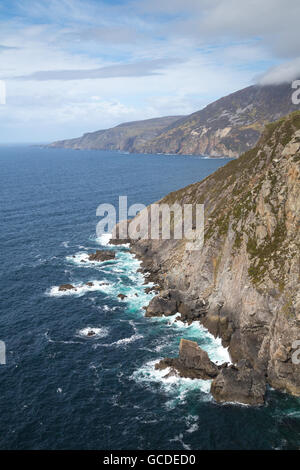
228 127
129 137
243 284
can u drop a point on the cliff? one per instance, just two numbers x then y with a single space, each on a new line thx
227 127
243 285
128 137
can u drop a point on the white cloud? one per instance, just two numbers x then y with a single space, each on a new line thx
283 73
147 58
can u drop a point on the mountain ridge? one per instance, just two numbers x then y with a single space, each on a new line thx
128 136
227 127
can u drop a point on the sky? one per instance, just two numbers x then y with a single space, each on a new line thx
75 66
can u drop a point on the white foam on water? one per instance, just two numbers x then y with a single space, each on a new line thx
175 386
103 239
129 339
213 346
81 289
82 259
191 422
179 438
97 332
125 341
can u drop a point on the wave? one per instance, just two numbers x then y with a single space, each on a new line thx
196 331
175 386
81 289
82 259
103 239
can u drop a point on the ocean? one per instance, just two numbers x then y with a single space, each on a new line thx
61 389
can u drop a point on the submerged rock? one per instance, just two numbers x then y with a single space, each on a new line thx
122 296
102 255
91 333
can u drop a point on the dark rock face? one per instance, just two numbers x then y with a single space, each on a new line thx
241 384
91 333
65 287
90 284
165 303
102 255
193 357
193 362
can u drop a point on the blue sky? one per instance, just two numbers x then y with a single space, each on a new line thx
72 66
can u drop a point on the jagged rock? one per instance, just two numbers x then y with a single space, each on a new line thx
193 357
241 384
90 284
154 288
162 304
91 333
65 287
102 255
193 362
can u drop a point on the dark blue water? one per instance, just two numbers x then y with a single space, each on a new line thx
63 390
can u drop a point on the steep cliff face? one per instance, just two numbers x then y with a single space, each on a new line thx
243 284
128 137
229 126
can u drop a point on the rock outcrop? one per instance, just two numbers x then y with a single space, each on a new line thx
122 296
65 287
240 384
243 284
102 255
193 362
165 303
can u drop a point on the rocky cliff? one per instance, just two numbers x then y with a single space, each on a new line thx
128 137
243 285
228 127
